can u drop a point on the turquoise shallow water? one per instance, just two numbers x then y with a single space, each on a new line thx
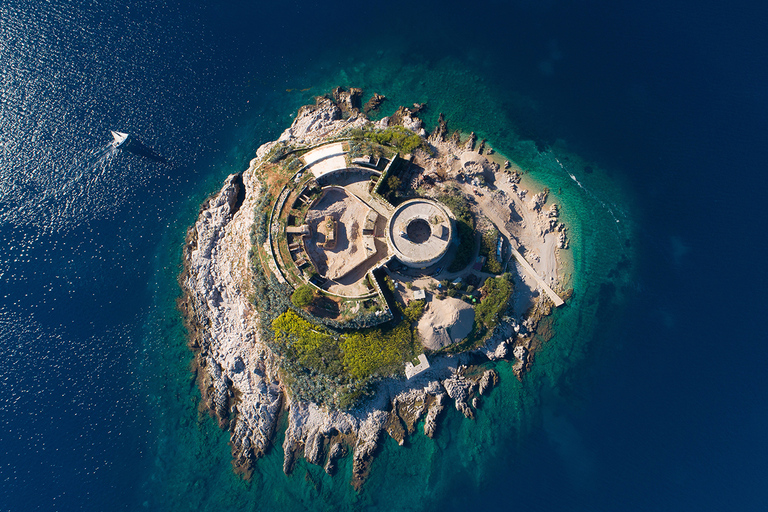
191 455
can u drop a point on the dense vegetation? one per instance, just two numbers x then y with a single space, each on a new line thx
488 249
399 137
465 228
496 293
377 352
354 357
414 310
311 345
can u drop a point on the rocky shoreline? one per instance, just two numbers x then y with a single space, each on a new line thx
240 378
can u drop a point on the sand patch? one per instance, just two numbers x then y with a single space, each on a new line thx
445 322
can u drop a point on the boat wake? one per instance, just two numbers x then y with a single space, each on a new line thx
58 198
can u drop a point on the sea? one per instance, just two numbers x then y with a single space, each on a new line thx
646 120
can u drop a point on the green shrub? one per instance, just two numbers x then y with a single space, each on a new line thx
310 345
399 137
466 249
373 352
414 310
465 228
393 183
303 296
496 294
459 206
488 249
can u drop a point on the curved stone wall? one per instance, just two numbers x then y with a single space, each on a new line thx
419 232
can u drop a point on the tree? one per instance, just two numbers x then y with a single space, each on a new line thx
393 183
414 310
303 296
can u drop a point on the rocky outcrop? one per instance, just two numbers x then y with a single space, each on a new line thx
469 145
407 118
538 200
237 378
434 411
348 101
374 103
440 131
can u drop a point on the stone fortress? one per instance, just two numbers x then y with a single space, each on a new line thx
332 228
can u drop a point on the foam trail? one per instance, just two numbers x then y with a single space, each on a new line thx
606 207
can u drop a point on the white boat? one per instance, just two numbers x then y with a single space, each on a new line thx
119 138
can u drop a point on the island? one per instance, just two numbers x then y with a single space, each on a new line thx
353 280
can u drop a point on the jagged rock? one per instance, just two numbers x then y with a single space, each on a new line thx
394 426
464 409
470 144
214 298
312 121
489 379
430 422
440 131
459 388
367 442
374 103
520 353
495 348
348 101
538 200
406 118
336 452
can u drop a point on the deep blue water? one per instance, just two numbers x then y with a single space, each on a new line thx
664 404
